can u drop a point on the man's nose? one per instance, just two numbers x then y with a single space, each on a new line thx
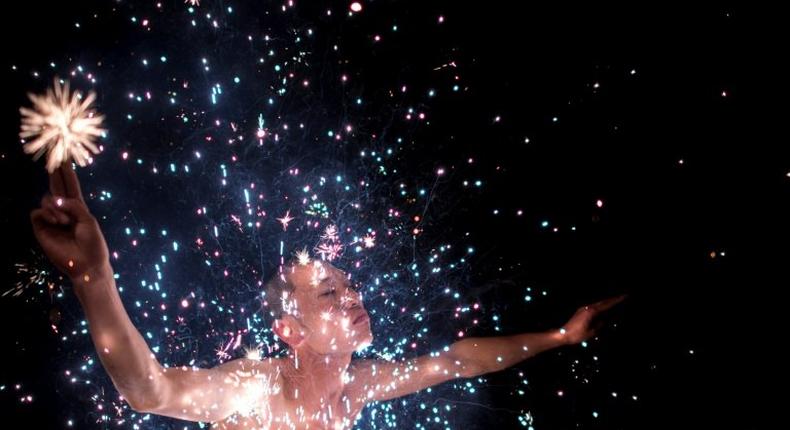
352 299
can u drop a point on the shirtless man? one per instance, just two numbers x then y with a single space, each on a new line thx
317 314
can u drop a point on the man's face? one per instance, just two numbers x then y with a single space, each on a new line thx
329 310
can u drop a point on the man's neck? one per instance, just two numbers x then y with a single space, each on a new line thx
315 379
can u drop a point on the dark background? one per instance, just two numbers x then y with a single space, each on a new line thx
622 142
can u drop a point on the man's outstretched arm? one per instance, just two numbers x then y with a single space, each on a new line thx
482 355
492 354
382 380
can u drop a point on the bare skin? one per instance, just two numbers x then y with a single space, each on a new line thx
316 386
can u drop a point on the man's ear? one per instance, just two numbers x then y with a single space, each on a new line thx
288 329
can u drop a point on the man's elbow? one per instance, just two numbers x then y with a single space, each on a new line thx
143 394
140 404
149 402
144 401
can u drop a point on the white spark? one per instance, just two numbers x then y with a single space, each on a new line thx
286 219
303 257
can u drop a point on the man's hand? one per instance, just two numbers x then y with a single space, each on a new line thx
67 232
586 321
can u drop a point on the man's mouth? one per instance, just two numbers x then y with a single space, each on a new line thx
359 319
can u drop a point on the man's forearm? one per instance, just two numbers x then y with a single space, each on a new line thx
121 348
490 354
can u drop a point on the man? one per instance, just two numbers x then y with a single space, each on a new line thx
317 314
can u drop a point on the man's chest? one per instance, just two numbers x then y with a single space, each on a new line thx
279 414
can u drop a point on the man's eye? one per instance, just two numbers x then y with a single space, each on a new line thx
327 293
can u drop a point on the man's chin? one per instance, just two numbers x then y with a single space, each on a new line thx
365 339
363 344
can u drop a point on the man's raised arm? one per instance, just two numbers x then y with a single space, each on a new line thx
71 238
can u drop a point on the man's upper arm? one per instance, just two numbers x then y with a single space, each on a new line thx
375 380
210 395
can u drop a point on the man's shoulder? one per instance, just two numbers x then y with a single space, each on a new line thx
362 371
250 367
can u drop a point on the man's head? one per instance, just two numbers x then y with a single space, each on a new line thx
315 306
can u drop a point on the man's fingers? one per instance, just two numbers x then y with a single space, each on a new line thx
42 218
50 205
60 217
72 209
56 186
76 209
71 182
607 304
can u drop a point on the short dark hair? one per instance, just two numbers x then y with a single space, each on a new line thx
277 285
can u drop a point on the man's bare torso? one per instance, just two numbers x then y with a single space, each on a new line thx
277 411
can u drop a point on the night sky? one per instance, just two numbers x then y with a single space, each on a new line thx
509 163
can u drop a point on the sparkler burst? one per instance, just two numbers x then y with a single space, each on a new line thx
63 125
30 274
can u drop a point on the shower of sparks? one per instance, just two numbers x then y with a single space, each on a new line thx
32 273
194 123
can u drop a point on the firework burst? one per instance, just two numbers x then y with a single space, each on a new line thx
63 125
